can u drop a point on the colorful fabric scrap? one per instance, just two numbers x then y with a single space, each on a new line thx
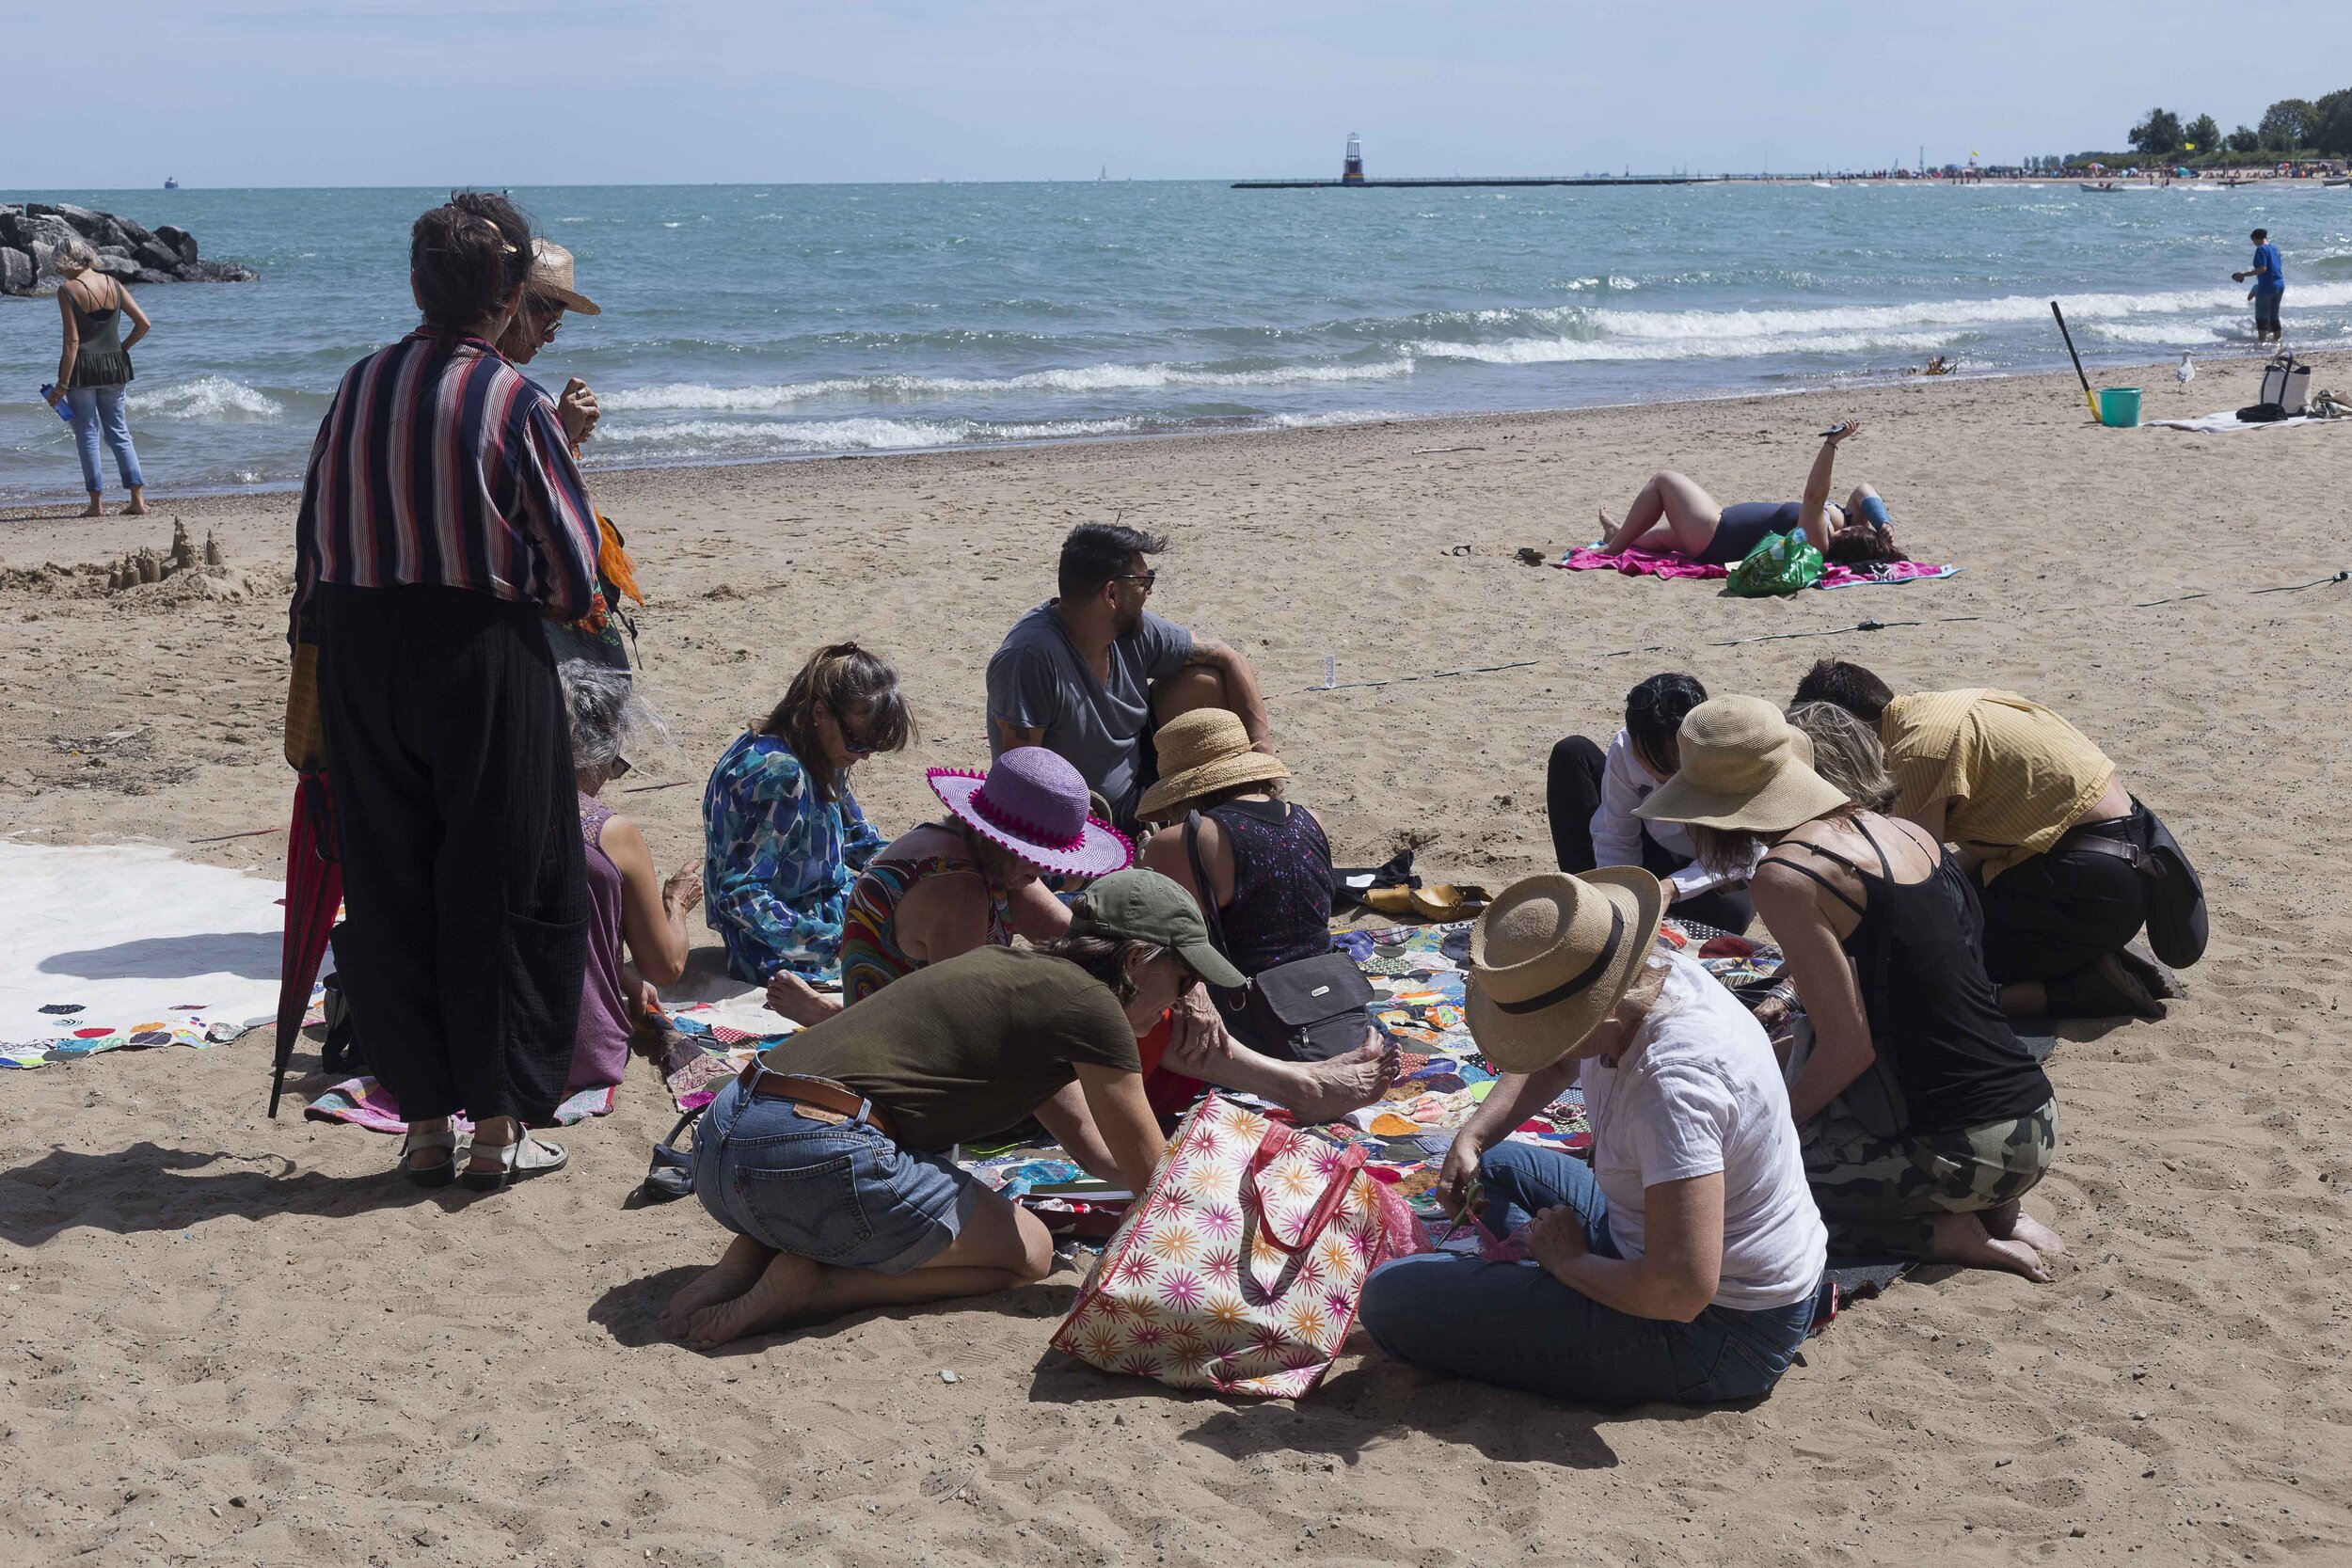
1654 563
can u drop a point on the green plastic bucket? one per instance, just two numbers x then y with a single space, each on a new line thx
2119 406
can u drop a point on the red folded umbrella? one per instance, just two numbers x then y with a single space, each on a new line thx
314 890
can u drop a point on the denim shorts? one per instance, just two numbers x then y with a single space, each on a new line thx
840 1193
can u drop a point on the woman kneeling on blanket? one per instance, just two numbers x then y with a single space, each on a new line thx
1685 1263
829 1157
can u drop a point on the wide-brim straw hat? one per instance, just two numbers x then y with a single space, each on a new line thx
1203 753
1034 804
552 275
1743 767
1551 957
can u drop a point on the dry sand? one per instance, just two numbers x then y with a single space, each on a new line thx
238 1341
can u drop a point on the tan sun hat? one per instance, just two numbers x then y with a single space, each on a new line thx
1743 766
1550 957
1202 753
552 275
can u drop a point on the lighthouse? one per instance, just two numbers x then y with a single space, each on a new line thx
1352 166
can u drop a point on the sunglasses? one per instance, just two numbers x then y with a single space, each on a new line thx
1147 578
855 745
549 312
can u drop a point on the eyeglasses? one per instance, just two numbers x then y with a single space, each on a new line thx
548 312
1147 578
851 742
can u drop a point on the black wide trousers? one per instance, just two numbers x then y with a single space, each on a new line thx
458 820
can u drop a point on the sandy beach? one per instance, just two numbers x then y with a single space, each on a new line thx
233 1340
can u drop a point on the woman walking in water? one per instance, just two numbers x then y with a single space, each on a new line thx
94 368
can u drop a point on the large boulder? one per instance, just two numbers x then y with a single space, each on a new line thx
219 272
116 266
153 254
132 232
11 222
181 241
44 229
153 275
90 225
16 271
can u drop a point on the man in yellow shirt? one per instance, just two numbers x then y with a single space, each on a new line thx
2041 819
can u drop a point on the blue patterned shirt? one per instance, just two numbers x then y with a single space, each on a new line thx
778 862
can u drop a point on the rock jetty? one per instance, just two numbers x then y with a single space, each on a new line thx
32 234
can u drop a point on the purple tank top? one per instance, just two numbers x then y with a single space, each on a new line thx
1281 906
600 1052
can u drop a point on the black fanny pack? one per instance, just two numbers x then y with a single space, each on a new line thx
2178 925
1308 1010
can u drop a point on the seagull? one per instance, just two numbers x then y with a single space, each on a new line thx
2187 373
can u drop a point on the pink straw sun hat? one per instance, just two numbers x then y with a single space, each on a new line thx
1034 804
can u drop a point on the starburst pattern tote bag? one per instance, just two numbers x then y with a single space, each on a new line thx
1240 1270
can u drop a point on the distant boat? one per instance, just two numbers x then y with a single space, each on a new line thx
1105 175
2333 183
170 183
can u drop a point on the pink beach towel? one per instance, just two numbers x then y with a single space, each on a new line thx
1651 563
365 1103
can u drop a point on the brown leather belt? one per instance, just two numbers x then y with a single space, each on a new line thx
820 1094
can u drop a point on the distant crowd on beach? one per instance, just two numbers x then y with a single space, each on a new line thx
1119 906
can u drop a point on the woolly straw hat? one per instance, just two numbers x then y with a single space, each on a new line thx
552 275
1034 804
1551 956
1743 766
1203 753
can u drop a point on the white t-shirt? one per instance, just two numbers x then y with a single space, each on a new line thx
1702 1093
1617 833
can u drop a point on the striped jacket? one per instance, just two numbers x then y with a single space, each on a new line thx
439 462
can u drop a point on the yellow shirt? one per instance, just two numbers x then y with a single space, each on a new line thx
2016 775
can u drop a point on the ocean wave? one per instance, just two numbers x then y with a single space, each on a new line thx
777 438
208 397
691 397
1571 350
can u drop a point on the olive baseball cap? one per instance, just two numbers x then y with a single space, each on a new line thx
1144 906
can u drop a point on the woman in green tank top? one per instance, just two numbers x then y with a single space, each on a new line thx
93 369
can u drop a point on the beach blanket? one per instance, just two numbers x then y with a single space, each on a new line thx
113 947
2226 422
365 1103
1417 975
1650 563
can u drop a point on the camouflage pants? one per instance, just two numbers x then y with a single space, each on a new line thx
1878 1196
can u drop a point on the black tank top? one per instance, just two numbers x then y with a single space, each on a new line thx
1280 910
1919 955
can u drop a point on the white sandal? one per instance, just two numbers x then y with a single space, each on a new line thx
440 1172
525 1156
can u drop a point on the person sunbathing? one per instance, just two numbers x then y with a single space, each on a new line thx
974 880
784 837
1673 515
1684 1263
829 1157
1947 1121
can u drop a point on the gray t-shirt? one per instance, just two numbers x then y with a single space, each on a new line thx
1039 681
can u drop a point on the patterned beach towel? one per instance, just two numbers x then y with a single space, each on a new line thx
1649 563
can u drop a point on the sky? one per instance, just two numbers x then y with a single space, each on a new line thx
520 92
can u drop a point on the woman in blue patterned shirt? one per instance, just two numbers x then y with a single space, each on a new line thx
783 835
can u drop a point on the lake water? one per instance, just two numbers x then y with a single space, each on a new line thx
783 321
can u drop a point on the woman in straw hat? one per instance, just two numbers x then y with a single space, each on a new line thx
1268 869
1684 1262
971 880
1944 1122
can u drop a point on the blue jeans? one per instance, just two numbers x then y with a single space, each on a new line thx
102 406
835 1191
1513 1324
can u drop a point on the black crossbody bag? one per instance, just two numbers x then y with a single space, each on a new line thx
1308 1010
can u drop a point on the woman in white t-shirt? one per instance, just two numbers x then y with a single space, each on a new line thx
1686 1262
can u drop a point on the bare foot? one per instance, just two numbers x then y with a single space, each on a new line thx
1327 1090
1962 1239
94 510
136 509
787 1289
734 1274
2010 1222
1608 529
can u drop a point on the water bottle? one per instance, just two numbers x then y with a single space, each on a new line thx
65 410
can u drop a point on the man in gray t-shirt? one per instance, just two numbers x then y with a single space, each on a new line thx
1089 675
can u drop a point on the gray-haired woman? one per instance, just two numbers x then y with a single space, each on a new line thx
628 902
94 367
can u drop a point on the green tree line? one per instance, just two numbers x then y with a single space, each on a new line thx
2290 126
